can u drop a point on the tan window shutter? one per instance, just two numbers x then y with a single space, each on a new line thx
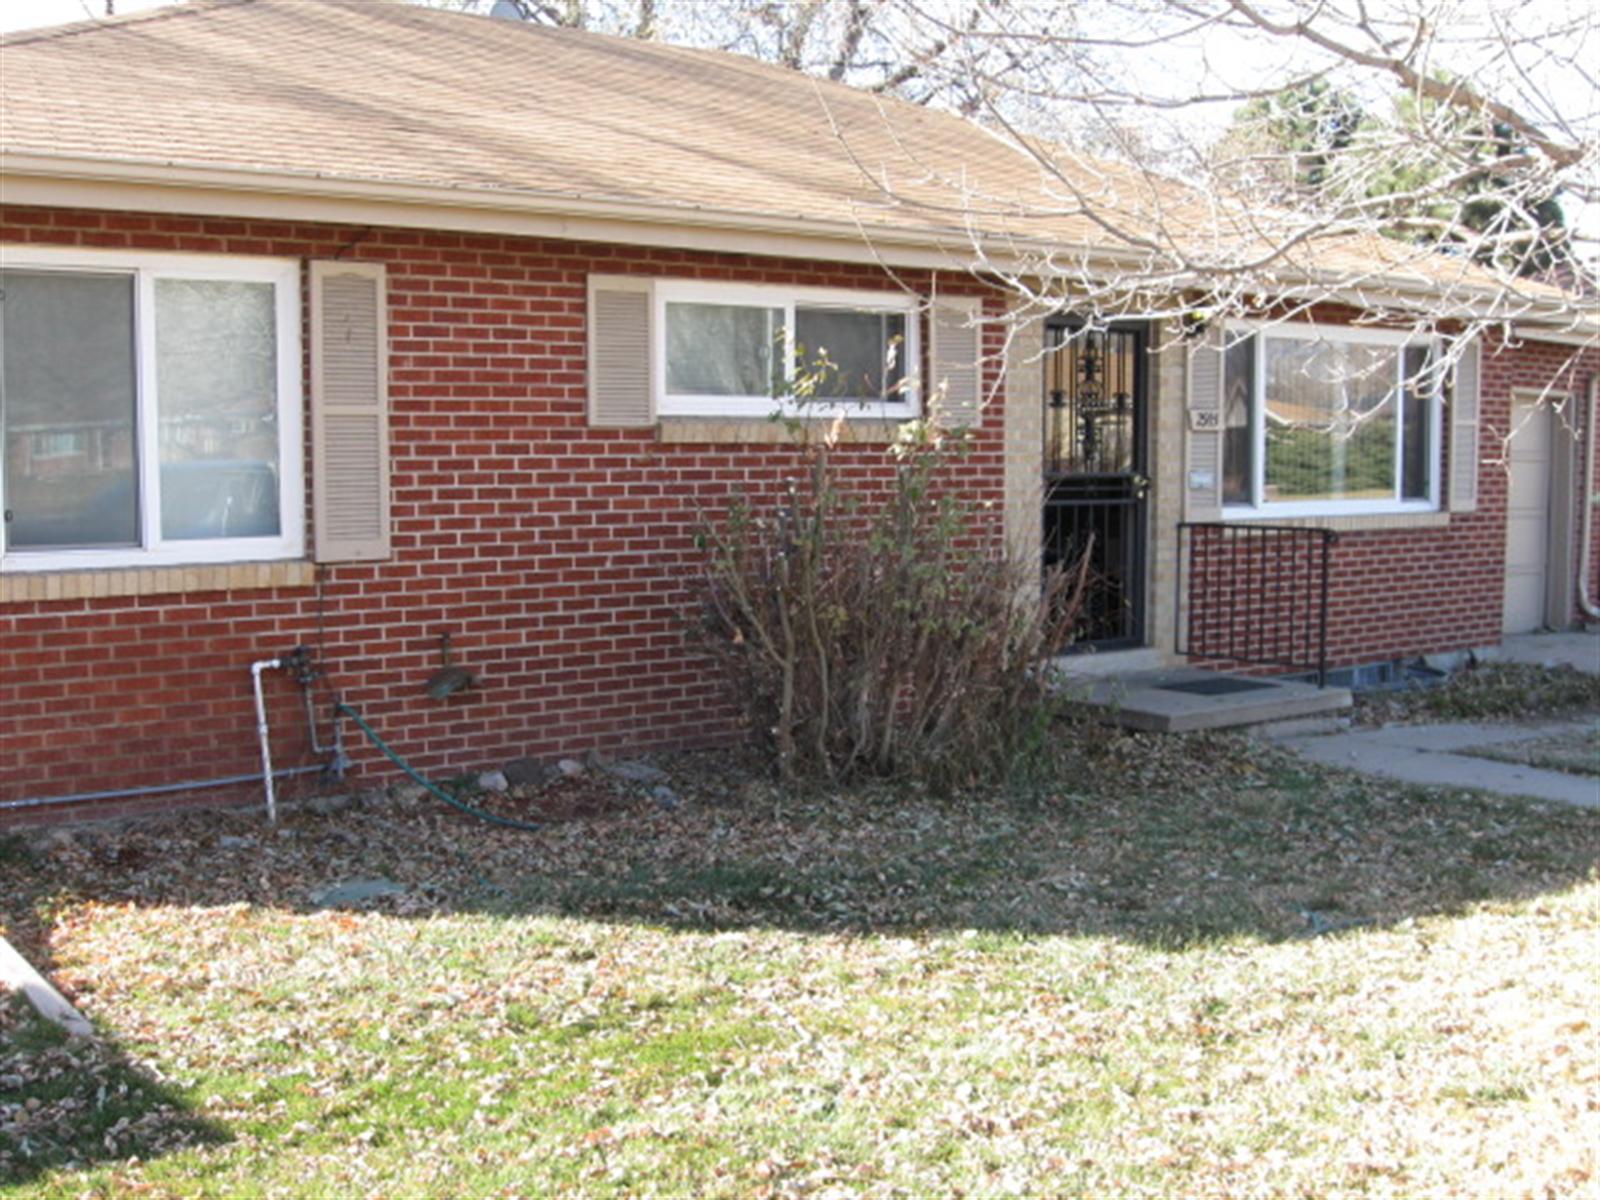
621 394
349 411
953 356
1202 489
1464 422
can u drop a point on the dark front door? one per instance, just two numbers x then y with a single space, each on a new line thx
1094 482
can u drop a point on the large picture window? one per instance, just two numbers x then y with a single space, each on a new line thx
731 350
1329 420
149 410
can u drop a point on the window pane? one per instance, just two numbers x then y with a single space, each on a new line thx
66 361
1330 415
1416 433
851 355
1238 441
723 350
217 396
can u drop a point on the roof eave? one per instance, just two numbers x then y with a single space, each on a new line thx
626 220
952 246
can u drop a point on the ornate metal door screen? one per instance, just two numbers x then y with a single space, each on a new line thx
1095 481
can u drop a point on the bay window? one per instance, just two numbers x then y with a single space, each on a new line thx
1328 420
149 410
748 350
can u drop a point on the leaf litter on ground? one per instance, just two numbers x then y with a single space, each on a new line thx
1182 964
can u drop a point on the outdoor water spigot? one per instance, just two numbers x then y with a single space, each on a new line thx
301 663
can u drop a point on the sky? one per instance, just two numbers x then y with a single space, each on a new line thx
27 14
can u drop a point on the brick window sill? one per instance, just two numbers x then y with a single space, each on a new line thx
155 581
762 432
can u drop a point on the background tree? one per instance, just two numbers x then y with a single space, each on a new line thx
1290 145
1517 229
884 46
1237 144
1314 145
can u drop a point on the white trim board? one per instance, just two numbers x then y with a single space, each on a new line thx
18 974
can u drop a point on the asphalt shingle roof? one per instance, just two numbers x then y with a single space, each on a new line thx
381 92
378 91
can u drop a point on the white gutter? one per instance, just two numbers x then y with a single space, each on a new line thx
1571 334
14 166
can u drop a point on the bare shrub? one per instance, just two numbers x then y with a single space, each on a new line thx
884 633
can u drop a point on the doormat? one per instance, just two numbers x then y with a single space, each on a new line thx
1222 685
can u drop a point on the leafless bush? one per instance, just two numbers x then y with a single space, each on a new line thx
884 634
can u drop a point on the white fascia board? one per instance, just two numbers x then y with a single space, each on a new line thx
1572 334
144 187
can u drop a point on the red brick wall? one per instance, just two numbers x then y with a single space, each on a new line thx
559 556
1409 592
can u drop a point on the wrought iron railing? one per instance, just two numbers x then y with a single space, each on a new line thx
1255 595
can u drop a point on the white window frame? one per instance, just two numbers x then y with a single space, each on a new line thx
1263 509
146 268
699 291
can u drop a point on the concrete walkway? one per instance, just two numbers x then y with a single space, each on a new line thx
1428 755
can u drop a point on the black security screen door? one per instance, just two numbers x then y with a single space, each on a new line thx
1095 484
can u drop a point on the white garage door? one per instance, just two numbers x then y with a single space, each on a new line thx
1528 518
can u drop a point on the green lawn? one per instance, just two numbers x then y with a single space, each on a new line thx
1191 967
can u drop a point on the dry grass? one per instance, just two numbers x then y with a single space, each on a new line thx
1490 692
1198 967
1576 751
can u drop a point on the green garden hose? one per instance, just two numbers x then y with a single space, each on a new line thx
345 710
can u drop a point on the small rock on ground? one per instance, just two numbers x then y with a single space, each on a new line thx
523 772
637 772
408 794
357 891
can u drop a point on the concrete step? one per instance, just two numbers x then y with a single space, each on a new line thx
1188 699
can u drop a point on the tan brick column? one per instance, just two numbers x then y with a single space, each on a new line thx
1024 442
1166 424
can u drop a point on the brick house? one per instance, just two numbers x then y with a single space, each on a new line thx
350 325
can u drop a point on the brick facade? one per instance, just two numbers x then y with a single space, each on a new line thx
560 557
1405 592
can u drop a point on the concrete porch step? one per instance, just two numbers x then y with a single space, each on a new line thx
1187 699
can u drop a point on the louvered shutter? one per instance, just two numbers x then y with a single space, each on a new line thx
1464 422
349 411
1202 492
953 355
621 394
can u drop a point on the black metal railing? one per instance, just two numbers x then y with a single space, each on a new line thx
1255 595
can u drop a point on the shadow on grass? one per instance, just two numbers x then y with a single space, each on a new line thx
1164 842
72 1103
